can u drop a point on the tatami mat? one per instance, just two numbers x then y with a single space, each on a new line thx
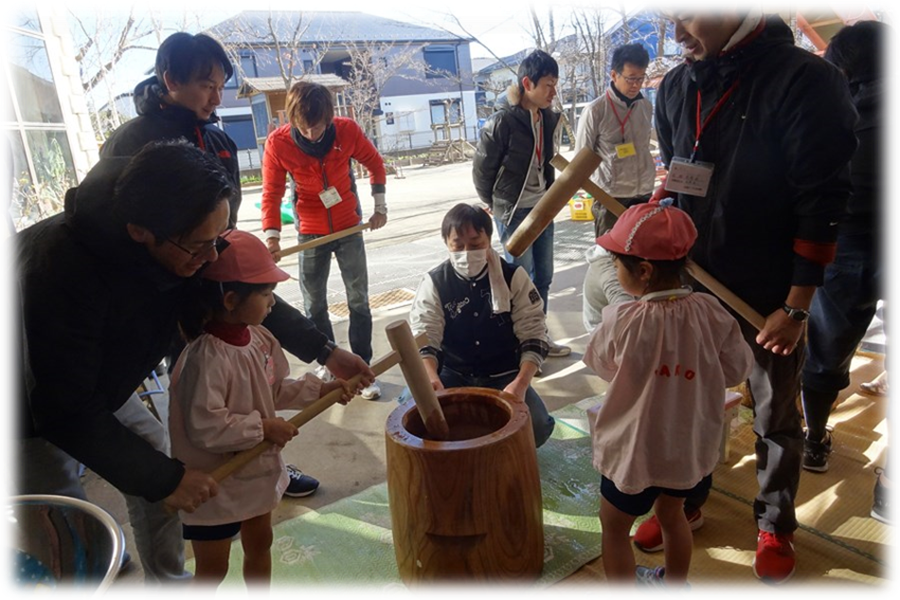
837 541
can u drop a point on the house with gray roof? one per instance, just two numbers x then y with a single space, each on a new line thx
402 78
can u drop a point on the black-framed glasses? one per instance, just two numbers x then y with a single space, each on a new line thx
635 80
220 243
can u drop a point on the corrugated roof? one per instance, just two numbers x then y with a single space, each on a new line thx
252 27
256 85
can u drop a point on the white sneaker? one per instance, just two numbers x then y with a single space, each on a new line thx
372 392
557 350
324 374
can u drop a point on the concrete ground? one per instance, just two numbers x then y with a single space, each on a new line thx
344 447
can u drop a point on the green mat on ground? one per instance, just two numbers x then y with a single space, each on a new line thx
349 541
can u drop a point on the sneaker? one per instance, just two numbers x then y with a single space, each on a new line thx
371 392
324 374
301 485
775 560
815 454
648 536
880 501
651 582
557 350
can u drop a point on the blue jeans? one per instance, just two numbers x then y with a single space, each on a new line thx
541 422
537 260
315 265
841 312
46 469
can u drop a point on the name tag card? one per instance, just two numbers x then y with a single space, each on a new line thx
625 150
691 178
330 197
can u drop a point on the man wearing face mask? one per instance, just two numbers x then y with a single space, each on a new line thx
483 317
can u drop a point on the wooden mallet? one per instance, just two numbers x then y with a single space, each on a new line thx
400 336
554 200
325 239
696 271
242 459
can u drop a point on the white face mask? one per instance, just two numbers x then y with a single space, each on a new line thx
469 263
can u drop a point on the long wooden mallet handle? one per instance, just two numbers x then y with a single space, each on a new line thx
400 336
306 415
695 270
567 183
325 239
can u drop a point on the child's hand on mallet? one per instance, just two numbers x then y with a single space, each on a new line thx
278 431
343 384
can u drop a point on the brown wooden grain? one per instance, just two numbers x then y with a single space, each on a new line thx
468 509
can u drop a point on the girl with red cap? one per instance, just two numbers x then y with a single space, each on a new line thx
226 387
668 357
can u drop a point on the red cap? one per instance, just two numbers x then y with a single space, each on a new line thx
653 231
246 259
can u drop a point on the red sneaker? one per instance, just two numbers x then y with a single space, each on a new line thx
775 560
648 536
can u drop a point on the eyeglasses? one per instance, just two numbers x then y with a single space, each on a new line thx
635 80
220 243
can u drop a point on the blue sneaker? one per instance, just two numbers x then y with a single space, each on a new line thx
650 582
301 485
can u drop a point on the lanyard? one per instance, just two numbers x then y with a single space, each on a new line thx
615 112
539 149
709 117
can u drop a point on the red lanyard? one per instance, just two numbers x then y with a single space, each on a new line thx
709 117
539 149
615 112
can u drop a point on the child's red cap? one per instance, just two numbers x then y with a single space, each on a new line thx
246 259
653 231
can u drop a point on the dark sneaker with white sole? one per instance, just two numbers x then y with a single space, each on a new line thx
815 454
300 485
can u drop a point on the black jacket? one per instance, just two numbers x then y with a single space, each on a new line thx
158 121
97 314
781 146
505 151
864 209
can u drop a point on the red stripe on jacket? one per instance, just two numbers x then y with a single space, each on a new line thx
821 253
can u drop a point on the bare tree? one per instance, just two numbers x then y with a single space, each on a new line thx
284 35
105 34
372 64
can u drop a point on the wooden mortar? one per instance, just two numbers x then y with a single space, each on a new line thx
469 508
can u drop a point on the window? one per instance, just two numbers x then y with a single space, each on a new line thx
247 69
440 61
442 109
32 80
35 129
240 129
26 19
308 66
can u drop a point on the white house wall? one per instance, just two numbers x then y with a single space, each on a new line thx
412 120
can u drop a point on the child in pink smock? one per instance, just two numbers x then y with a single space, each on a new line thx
226 387
668 357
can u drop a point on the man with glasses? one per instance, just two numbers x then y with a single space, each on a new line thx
179 101
616 126
100 286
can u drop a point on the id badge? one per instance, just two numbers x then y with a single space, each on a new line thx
330 197
625 150
691 178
